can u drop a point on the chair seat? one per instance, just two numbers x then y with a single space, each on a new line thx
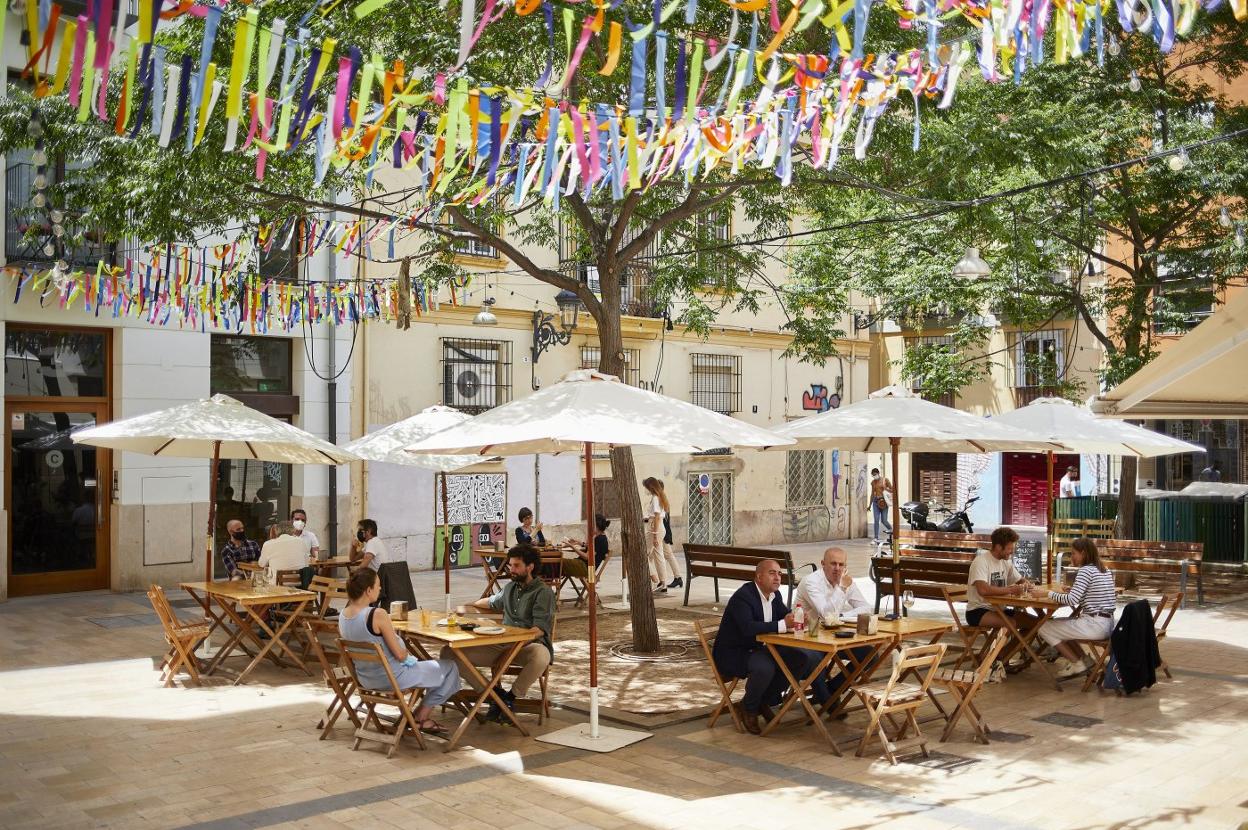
194 629
961 676
901 691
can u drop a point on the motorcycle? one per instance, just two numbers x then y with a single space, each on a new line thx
917 512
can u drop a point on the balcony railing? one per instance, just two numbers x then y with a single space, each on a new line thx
916 318
28 229
636 284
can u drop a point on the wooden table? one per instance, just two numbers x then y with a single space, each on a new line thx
1044 608
458 640
228 596
833 648
492 573
328 566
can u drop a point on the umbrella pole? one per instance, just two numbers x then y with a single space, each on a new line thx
590 592
212 511
446 547
896 447
1048 524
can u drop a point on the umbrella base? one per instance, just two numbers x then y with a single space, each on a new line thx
609 738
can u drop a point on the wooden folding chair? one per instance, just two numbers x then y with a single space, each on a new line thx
551 570
886 698
406 701
706 636
326 588
338 677
183 638
970 634
540 705
964 685
1166 607
579 586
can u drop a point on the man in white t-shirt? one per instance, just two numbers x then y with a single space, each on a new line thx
368 551
299 518
830 592
283 552
993 574
1068 488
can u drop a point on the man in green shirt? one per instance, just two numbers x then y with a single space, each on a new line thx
526 602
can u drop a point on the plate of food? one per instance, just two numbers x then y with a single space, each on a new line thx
489 629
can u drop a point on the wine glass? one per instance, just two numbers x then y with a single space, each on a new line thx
907 599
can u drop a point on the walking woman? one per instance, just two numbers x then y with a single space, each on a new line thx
1092 596
359 622
663 563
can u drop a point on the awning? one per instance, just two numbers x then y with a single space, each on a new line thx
1203 375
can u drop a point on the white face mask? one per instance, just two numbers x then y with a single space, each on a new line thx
299 523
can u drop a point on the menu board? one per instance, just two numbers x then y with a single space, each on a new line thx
1028 559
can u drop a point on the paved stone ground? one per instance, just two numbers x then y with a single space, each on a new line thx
88 739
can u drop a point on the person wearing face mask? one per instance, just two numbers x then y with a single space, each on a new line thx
368 551
526 602
881 496
238 549
299 518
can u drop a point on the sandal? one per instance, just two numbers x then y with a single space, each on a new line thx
432 727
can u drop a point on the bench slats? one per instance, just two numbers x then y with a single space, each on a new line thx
736 563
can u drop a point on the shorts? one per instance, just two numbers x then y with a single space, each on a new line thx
974 615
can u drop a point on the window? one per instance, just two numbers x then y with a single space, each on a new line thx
636 297
805 479
1181 300
714 230
476 374
606 499
28 229
278 256
942 342
1039 364
716 382
250 364
591 356
55 364
489 217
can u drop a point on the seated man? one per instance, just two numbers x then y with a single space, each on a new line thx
993 575
526 602
238 549
285 552
830 592
756 608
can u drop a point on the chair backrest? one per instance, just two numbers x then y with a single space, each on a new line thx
164 611
288 577
331 661
358 653
706 636
923 660
1166 607
327 589
990 655
602 566
954 594
396 584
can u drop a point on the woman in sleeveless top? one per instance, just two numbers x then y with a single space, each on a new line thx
359 622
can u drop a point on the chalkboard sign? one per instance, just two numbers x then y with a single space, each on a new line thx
1027 559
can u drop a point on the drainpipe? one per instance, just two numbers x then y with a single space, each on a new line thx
332 389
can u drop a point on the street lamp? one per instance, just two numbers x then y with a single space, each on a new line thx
485 317
545 334
971 265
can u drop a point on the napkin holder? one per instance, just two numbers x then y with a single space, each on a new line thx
398 610
868 623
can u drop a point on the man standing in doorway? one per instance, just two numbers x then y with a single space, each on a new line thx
299 518
881 494
1068 488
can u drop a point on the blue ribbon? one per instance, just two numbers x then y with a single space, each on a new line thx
637 79
682 82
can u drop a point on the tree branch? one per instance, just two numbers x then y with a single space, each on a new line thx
686 209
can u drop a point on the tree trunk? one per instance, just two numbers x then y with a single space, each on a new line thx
1124 526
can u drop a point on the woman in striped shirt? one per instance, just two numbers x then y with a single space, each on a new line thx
1092 596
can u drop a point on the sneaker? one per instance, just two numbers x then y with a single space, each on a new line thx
997 675
676 583
1066 669
495 714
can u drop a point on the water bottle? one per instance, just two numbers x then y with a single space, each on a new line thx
799 619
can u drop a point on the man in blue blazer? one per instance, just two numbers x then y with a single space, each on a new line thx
756 608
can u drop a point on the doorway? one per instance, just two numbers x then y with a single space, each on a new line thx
1024 480
710 508
56 494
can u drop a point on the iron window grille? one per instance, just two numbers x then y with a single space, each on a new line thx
476 374
710 514
591 358
471 245
916 384
716 382
714 230
805 478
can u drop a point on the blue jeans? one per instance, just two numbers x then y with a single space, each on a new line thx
824 686
881 517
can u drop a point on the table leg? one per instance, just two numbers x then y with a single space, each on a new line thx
799 689
236 635
853 671
1025 641
487 692
275 639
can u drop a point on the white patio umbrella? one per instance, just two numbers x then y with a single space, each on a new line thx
387 445
896 419
217 427
1074 426
584 409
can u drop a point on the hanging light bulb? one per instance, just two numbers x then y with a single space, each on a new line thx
1224 217
57 215
49 249
485 317
1179 162
34 129
1133 83
58 230
41 181
38 200
39 157
1113 47
1239 236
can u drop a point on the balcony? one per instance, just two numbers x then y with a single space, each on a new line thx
921 318
28 229
636 298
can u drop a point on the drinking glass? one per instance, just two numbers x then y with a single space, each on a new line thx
907 599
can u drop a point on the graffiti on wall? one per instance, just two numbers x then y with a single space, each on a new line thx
806 524
474 499
818 399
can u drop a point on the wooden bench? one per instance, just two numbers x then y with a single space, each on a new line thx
724 562
1133 556
926 576
940 545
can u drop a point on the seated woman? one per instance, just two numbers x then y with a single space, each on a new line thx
360 623
1092 596
528 533
579 567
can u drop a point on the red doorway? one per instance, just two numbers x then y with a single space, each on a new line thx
1023 477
